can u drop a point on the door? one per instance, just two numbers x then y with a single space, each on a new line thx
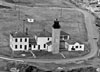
38 47
25 47
30 47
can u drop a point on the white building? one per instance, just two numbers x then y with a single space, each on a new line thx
75 46
19 41
43 40
30 20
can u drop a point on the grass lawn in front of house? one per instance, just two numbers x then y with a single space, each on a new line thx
3 64
6 51
46 55
19 54
41 3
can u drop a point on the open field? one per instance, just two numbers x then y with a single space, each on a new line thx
41 3
71 21
3 64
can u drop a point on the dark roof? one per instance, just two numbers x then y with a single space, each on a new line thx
32 41
20 34
49 43
73 41
63 33
56 24
44 33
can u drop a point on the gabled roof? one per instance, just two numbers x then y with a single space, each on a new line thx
23 34
72 41
20 34
49 43
44 33
63 33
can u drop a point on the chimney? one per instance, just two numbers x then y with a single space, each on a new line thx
26 31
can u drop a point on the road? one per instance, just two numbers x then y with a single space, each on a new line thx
92 33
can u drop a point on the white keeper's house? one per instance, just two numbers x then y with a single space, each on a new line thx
44 40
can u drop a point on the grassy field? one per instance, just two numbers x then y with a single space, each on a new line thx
3 64
72 21
40 3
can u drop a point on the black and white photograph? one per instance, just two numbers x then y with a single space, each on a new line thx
49 35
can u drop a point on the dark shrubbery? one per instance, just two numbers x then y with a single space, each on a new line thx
88 69
1 6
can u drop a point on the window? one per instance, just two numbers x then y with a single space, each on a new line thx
16 46
48 38
21 40
73 48
20 46
44 45
39 47
25 39
76 46
34 46
80 46
15 40
25 47
61 37
29 45
65 37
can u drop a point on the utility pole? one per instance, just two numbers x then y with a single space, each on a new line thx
18 15
23 26
60 14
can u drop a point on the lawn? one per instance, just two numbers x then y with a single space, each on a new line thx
3 64
72 21
46 55
18 54
6 51
40 3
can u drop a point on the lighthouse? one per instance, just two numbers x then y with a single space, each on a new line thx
56 28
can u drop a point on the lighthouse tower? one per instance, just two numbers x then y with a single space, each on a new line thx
56 28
